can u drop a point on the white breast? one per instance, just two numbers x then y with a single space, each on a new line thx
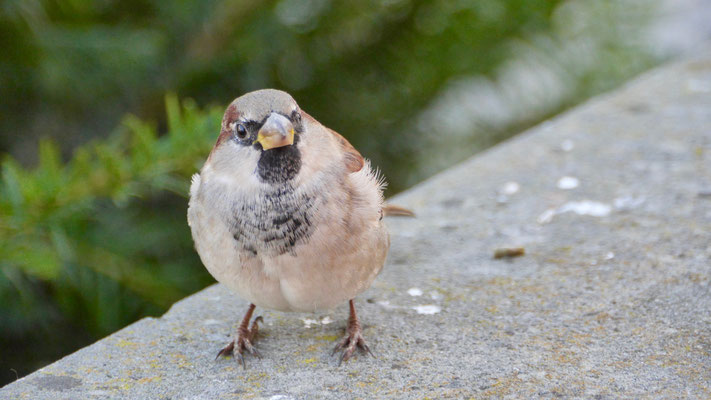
330 261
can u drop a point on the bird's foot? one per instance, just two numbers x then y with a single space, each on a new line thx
244 342
353 338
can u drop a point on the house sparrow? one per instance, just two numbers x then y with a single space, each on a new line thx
287 214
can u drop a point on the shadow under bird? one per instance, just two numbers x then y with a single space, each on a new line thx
287 214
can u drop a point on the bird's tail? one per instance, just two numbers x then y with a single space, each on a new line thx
391 210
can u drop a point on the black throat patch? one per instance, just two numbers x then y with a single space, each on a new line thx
279 165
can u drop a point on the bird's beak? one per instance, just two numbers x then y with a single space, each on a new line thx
277 131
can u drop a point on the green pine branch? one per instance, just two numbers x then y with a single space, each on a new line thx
61 216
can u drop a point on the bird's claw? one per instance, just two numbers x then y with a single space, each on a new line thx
353 339
244 340
226 351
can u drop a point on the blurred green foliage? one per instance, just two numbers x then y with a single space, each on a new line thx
89 245
363 68
93 232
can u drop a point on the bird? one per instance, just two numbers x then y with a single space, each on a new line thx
287 214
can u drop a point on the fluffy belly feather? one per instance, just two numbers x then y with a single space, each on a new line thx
282 257
323 277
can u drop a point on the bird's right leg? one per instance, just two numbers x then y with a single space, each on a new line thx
246 336
353 338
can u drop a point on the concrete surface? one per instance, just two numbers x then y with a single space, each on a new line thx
612 204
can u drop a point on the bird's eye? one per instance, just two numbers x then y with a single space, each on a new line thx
241 131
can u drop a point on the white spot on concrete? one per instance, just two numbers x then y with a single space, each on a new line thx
386 304
609 256
510 188
211 322
586 207
324 321
568 182
428 309
567 145
308 322
546 216
281 397
628 202
414 291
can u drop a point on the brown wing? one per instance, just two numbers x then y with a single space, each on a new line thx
354 161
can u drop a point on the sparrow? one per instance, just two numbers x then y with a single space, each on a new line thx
286 213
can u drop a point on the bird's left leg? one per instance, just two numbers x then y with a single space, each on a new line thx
353 337
245 338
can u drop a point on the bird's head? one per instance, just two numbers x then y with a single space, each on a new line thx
260 134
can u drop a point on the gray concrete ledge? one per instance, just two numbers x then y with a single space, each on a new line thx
611 299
